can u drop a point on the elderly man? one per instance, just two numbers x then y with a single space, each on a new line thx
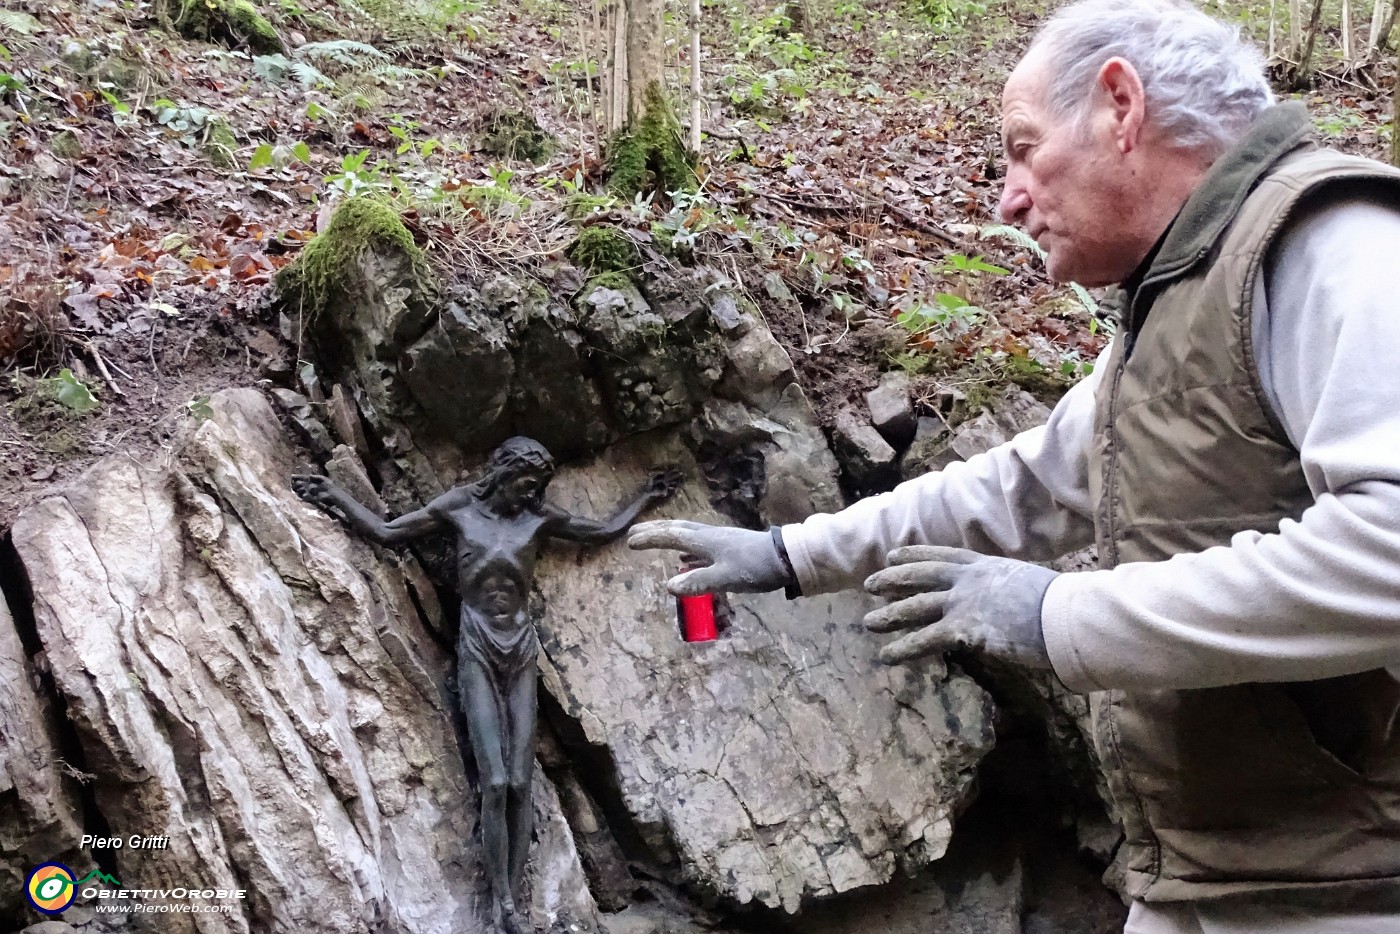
1235 456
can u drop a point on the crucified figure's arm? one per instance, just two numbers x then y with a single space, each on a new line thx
319 491
660 487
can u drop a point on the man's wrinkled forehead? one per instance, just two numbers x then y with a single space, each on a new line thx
1022 97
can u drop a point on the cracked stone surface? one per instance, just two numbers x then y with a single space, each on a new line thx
40 816
249 681
776 764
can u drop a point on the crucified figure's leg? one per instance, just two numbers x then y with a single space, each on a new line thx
520 750
488 733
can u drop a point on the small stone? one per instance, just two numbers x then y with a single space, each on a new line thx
979 435
725 312
757 362
891 411
345 420
928 451
865 457
43 473
50 927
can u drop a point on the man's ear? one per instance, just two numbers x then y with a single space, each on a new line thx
1122 94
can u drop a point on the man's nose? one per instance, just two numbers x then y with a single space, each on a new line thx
1015 200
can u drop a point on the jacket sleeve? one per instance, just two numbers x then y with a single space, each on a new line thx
1320 596
1027 498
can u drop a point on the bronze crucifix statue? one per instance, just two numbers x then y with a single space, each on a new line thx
500 522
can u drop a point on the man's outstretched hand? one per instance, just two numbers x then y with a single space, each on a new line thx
956 598
736 560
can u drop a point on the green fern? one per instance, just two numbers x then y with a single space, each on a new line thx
310 76
344 52
17 28
17 23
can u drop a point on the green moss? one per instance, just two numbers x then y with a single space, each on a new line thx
236 23
601 248
1046 385
617 281
327 270
258 32
54 427
649 155
66 145
514 134
218 145
123 73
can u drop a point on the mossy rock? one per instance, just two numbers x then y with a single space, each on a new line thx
235 23
514 134
329 272
123 73
219 143
77 56
604 249
67 145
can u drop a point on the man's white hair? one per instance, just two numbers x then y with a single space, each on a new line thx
1204 84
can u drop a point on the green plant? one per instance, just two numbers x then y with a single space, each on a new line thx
193 126
401 128
199 408
70 392
17 27
948 17
355 179
277 68
951 315
1338 122
958 264
121 111
277 156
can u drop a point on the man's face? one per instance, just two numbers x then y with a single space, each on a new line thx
1072 190
525 490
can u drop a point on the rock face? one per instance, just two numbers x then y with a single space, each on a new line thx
780 763
40 815
1059 714
251 684
777 763
504 357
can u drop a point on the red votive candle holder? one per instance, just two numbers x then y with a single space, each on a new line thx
697 618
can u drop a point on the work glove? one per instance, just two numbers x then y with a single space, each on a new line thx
954 598
736 560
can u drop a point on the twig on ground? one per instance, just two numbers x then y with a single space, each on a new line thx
91 348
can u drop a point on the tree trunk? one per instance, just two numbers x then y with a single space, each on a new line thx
1395 123
647 154
1348 52
1302 72
695 75
646 45
1295 28
1373 38
1388 25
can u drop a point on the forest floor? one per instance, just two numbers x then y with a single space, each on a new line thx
152 185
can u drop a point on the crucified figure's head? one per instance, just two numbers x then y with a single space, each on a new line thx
516 476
